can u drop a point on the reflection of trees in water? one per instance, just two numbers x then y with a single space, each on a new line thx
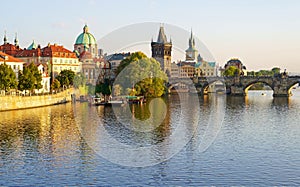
49 130
130 130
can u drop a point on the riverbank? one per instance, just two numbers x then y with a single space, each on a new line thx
22 102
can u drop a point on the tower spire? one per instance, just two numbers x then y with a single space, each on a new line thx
161 35
192 40
16 40
85 29
5 39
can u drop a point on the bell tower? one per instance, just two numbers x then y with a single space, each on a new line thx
191 52
162 51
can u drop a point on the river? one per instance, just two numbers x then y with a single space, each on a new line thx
214 140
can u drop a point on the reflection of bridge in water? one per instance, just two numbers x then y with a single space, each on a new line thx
281 85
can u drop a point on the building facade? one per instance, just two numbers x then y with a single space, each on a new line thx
56 57
15 64
194 64
162 51
115 59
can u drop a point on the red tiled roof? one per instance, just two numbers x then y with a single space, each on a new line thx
10 49
85 55
29 53
99 60
48 51
57 51
9 58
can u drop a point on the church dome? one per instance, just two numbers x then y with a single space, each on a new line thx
85 38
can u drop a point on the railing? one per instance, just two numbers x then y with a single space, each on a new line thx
26 94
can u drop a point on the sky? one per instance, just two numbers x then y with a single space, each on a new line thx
262 34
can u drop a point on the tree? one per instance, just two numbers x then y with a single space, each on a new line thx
66 77
79 80
117 90
30 78
132 58
7 78
231 71
276 71
141 74
104 88
55 85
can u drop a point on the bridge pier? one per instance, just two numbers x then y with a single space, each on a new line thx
236 91
281 91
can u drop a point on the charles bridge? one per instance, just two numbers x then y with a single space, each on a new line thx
239 85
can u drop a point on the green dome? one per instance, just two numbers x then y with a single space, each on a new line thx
85 38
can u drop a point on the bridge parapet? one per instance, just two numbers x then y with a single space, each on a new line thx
280 85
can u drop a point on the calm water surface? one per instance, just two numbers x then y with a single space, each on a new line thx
257 144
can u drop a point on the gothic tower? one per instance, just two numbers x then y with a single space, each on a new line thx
161 51
191 52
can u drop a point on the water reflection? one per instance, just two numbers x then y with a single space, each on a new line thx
281 102
130 131
258 143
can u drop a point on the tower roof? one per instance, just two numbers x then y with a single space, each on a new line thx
162 36
32 46
191 42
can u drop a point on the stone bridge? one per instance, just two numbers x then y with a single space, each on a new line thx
281 85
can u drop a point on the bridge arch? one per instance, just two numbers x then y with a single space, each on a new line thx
291 85
248 85
179 87
205 87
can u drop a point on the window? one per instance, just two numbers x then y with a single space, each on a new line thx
61 61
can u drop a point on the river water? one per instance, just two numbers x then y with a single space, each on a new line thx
246 141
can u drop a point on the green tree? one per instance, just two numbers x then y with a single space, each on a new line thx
276 71
7 78
104 88
55 85
79 80
30 78
141 74
134 57
231 71
66 77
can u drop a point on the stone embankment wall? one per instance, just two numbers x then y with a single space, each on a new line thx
22 102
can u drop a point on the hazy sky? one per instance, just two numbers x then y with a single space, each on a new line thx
263 34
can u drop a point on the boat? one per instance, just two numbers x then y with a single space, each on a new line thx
135 99
97 101
117 102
